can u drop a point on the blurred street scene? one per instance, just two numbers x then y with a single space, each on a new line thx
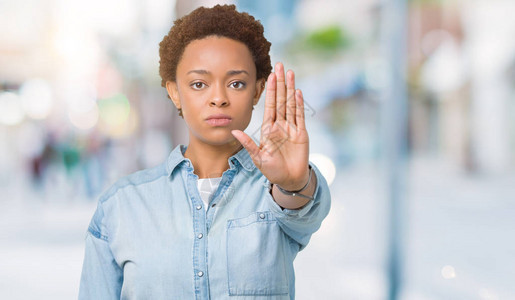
81 105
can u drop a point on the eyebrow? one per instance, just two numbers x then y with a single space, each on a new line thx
231 72
236 72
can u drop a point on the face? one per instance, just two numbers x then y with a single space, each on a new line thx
216 89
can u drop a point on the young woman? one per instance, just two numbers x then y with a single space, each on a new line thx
156 235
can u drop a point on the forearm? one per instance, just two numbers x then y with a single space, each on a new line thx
294 202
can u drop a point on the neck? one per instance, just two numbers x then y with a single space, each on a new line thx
210 161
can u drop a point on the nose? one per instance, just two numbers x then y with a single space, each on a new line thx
219 97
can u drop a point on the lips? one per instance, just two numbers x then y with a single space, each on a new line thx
219 120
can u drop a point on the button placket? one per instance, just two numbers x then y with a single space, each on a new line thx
199 245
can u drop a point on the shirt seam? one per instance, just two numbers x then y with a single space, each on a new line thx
122 185
97 234
118 187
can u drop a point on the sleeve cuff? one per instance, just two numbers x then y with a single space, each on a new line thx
292 213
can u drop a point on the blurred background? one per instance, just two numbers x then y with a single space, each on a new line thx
410 111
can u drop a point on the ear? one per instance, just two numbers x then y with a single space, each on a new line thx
260 87
173 93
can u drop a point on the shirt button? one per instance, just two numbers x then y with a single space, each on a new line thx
199 207
200 273
200 235
261 216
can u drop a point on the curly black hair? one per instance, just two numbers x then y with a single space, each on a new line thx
220 20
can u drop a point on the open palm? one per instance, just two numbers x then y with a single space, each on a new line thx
283 151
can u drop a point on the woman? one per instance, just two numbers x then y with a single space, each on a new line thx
154 235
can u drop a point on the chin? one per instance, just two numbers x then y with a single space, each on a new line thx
220 139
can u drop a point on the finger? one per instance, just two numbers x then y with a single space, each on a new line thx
269 116
280 92
248 143
271 85
300 118
290 98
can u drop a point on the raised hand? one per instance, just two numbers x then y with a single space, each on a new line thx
283 151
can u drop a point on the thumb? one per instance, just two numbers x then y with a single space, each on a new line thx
248 143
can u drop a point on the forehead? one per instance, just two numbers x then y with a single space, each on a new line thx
214 54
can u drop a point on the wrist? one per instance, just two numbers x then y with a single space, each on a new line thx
294 200
298 187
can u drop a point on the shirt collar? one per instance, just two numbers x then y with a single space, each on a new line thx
243 157
177 157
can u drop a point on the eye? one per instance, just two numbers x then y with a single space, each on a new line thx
198 85
237 85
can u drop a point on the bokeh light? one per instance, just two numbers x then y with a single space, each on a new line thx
117 118
448 272
11 111
36 98
84 119
325 165
114 111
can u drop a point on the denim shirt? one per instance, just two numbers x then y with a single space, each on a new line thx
151 238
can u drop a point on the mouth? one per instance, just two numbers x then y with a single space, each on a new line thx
219 120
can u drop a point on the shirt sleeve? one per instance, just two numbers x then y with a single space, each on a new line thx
101 277
300 224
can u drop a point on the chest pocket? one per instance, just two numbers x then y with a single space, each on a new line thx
256 262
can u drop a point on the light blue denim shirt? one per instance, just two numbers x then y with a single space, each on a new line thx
151 238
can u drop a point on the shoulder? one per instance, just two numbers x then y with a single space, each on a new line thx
121 193
134 180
